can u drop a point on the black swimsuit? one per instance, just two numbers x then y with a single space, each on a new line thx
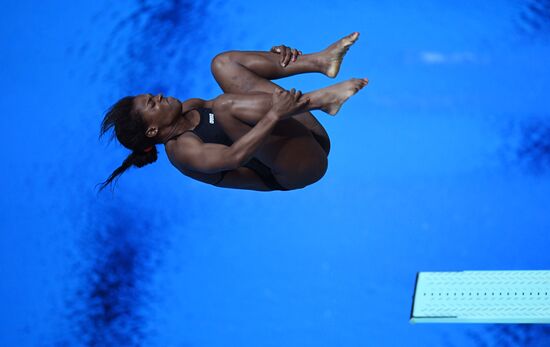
210 132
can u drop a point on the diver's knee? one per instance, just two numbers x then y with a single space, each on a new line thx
320 169
323 141
305 175
221 60
223 104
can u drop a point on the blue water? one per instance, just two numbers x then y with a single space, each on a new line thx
442 163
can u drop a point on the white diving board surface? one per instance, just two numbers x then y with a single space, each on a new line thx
482 297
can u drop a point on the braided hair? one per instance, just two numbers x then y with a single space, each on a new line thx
129 129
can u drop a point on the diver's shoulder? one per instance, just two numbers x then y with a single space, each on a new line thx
177 148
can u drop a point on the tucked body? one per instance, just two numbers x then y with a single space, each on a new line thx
255 135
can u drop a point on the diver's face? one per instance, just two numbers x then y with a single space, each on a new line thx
157 111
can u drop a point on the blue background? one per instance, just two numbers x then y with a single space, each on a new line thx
441 163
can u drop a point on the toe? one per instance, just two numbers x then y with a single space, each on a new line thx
354 36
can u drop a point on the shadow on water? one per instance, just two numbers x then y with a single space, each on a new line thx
120 244
535 18
534 148
152 45
527 145
119 252
513 335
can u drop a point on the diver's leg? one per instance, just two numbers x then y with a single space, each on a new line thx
250 108
228 67
290 151
317 130
266 66
248 72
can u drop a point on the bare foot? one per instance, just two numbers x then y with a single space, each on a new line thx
332 56
331 99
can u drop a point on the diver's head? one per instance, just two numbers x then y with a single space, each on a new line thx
158 113
139 123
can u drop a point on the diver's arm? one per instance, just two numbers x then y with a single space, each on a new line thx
195 155
210 157
244 148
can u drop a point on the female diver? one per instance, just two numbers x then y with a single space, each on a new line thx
255 136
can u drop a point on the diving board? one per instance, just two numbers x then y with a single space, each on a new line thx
482 297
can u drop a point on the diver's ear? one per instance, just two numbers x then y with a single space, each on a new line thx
151 132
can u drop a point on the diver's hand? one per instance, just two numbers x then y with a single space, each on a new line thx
288 103
287 54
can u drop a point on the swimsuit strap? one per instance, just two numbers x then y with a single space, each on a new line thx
177 135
